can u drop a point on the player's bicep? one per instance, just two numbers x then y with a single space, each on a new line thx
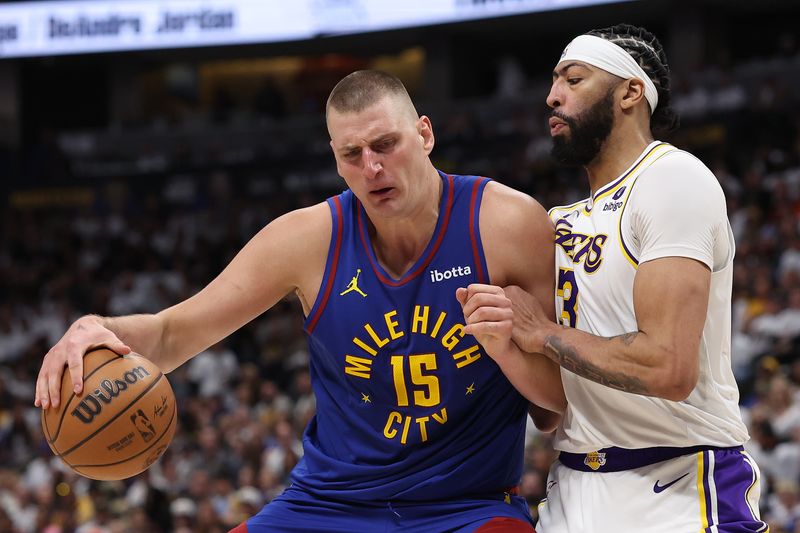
283 256
540 272
671 299
518 239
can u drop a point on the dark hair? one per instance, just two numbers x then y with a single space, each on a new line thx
647 51
362 88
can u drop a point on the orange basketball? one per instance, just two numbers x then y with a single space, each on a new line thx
120 424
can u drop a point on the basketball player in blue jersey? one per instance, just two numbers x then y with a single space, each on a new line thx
417 429
651 440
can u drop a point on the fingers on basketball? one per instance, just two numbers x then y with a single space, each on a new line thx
120 425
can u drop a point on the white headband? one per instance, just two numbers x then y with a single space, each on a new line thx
613 59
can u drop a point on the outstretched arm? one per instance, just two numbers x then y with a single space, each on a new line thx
288 254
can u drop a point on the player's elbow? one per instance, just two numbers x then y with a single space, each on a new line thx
168 343
545 420
679 382
549 424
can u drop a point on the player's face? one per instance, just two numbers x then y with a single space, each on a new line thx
381 152
582 100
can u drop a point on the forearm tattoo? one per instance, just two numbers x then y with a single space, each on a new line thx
566 356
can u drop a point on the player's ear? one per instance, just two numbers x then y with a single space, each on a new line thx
425 130
633 93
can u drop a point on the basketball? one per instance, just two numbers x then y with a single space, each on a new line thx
120 424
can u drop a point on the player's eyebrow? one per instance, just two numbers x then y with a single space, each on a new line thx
382 137
562 70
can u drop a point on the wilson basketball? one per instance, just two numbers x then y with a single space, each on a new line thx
120 424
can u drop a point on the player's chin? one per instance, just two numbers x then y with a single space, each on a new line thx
387 207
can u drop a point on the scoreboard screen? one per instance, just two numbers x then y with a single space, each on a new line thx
93 26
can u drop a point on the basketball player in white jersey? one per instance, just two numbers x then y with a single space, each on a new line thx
652 437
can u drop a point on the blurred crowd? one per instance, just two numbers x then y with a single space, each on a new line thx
136 246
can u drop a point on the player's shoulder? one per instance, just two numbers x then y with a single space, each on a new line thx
313 217
510 216
304 229
679 171
680 185
505 203
302 237
679 164
517 237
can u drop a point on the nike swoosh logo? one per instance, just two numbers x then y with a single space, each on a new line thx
660 488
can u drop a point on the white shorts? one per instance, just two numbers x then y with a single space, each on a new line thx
712 491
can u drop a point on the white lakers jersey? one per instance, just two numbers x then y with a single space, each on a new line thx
666 204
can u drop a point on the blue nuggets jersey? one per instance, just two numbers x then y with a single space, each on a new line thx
409 408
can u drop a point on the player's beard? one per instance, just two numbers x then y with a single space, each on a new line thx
587 133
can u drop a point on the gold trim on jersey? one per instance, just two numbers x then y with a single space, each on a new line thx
566 207
612 187
602 193
652 157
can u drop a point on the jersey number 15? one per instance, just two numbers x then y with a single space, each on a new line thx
426 393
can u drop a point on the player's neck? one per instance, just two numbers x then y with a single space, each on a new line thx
399 242
618 153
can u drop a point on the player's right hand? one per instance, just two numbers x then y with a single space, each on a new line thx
84 335
531 324
488 316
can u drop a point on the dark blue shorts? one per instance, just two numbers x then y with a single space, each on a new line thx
298 511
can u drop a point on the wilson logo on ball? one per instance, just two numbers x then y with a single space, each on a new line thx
92 405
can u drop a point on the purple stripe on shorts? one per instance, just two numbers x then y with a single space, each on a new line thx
733 477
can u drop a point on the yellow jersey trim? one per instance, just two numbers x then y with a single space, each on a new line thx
566 207
652 157
609 189
701 492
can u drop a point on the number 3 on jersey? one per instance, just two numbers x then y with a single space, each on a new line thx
567 290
